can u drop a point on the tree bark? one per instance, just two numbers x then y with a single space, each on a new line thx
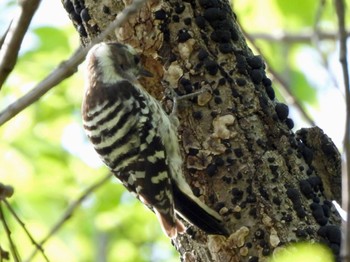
271 186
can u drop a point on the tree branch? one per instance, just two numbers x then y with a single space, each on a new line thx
340 9
69 212
316 40
66 68
25 229
14 38
290 96
13 248
63 71
286 37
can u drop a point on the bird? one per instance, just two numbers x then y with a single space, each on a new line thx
137 140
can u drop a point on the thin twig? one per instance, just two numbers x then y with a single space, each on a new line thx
340 9
316 27
66 68
25 229
13 248
290 96
285 87
300 37
14 38
316 40
316 30
69 212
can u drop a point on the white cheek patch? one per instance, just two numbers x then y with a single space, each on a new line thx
105 63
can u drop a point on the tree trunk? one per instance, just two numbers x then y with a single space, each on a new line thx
271 186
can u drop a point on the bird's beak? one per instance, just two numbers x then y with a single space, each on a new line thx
145 73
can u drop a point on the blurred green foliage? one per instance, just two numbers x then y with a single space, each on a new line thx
44 154
303 252
41 159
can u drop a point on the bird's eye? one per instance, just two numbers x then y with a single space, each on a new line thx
136 59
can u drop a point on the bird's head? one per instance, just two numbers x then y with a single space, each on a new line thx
112 62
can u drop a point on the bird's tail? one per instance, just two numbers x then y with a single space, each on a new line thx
198 213
170 229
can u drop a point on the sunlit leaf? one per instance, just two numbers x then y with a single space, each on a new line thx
303 252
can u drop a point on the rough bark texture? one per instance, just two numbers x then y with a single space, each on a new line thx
272 186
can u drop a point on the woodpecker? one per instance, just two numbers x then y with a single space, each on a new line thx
137 140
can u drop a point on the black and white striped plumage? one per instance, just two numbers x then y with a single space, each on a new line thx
137 141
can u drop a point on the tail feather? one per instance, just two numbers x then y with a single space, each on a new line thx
169 226
169 230
197 213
